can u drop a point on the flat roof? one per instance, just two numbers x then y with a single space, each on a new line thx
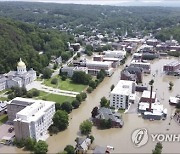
146 94
124 87
174 63
34 111
98 63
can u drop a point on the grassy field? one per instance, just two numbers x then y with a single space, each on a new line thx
3 99
65 85
3 118
54 97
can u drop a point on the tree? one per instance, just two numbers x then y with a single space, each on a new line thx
81 77
112 87
89 89
66 106
47 73
101 74
85 127
105 124
35 92
30 144
69 149
151 82
79 97
92 138
54 81
75 104
41 147
83 95
61 120
92 84
158 148
94 112
78 54
170 85
104 102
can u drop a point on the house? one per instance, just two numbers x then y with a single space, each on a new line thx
106 114
132 73
31 118
82 145
146 96
120 96
103 150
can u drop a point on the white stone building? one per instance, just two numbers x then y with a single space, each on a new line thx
18 78
123 94
34 119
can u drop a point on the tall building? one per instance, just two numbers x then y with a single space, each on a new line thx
33 120
123 94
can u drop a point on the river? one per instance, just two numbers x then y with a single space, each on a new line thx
120 138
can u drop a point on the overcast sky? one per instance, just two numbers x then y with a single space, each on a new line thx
113 2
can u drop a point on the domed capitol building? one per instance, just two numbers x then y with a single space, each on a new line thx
18 78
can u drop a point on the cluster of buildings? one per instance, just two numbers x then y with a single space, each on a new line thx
19 78
107 62
31 118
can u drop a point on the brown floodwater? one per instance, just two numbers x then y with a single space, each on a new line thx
120 138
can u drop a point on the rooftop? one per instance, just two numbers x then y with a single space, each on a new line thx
146 94
124 87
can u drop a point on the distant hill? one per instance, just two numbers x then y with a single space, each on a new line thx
18 39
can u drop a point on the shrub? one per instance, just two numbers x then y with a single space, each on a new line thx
54 81
75 104
89 89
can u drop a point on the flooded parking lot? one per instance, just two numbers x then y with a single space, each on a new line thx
120 139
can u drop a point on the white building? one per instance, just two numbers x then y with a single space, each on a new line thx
95 66
34 120
123 94
18 78
115 54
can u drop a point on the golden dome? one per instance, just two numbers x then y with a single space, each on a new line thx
21 63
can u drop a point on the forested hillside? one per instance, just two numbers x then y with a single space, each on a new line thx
24 40
84 18
165 34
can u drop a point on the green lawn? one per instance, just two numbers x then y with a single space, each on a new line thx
54 97
121 110
3 99
3 118
66 85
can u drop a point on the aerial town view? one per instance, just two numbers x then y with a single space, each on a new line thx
81 76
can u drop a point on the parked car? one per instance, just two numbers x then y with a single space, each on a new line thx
10 129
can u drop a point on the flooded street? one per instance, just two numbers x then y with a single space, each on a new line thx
120 139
